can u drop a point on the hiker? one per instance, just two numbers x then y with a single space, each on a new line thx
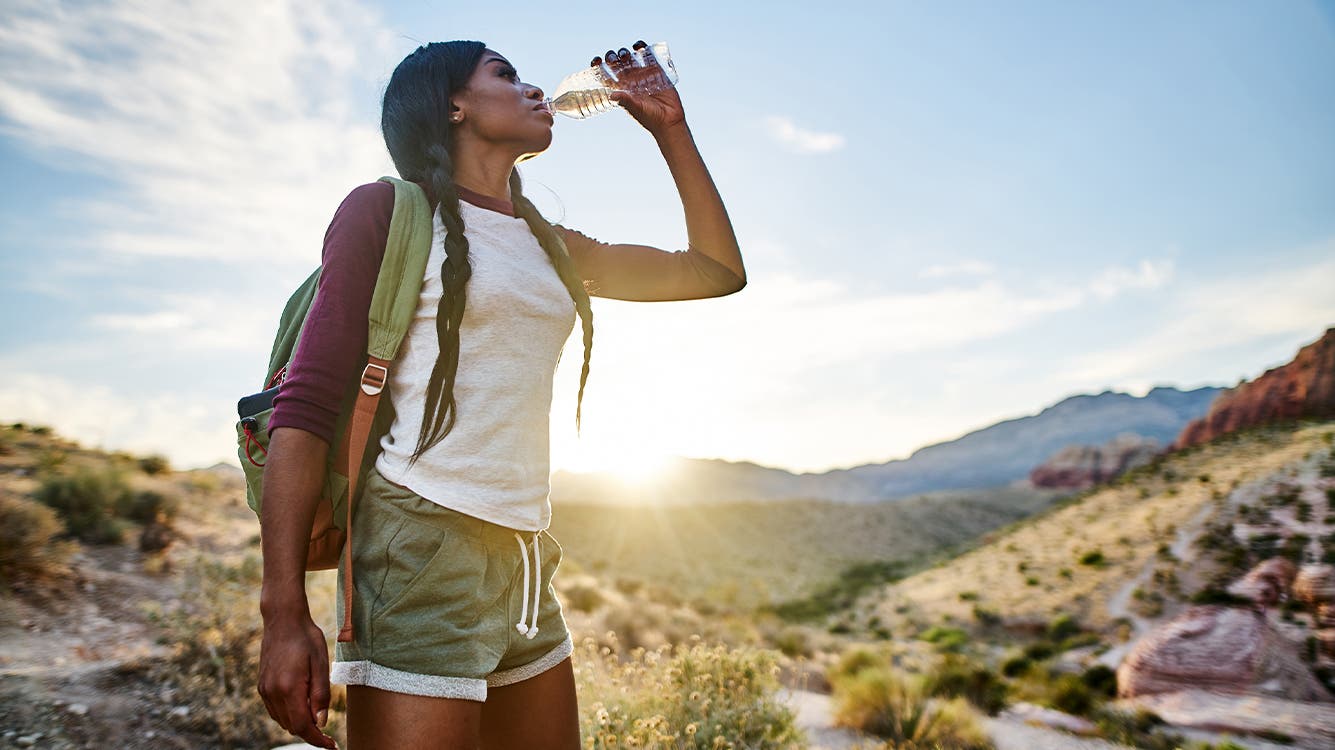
459 638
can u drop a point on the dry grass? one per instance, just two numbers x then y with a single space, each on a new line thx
1036 569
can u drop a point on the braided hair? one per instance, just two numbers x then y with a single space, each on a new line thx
415 121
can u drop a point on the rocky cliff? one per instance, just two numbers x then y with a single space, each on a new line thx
1080 466
1305 387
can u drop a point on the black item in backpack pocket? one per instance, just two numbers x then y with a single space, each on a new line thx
255 403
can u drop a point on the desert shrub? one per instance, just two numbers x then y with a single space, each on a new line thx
793 641
1093 558
1214 595
958 677
986 617
1101 679
145 506
30 554
1140 728
688 697
1062 627
945 639
898 708
1039 650
87 501
1016 665
154 465
583 596
855 660
6 444
215 636
1072 695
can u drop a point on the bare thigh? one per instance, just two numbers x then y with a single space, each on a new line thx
383 720
538 713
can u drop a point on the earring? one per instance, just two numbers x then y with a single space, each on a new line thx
456 117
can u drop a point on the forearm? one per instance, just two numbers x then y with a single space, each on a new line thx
708 228
293 480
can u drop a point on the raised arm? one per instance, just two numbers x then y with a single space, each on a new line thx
616 269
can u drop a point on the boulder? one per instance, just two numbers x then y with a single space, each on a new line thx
1267 583
1215 648
1315 584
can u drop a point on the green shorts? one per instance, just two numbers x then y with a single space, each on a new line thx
443 602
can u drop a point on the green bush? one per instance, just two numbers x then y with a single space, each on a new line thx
30 554
154 465
945 639
144 507
1093 558
1072 695
958 677
898 709
1016 665
1062 627
692 698
1101 679
986 617
87 501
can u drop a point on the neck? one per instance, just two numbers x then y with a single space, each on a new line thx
484 170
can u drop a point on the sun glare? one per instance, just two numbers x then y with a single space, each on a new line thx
627 462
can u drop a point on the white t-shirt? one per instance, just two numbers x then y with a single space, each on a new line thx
495 463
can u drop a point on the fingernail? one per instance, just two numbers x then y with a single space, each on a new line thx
611 55
640 44
323 716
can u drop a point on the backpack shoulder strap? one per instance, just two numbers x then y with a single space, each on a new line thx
392 307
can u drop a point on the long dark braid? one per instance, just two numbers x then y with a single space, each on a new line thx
565 268
415 121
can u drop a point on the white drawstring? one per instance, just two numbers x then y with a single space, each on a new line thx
530 630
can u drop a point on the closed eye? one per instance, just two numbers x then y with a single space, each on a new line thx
509 72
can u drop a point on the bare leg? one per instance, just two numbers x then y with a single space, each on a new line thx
383 720
538 713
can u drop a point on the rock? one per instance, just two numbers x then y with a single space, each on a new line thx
27 740
1080 466
1305 387
180 712
1315 584
1267 583
1215 648
78 709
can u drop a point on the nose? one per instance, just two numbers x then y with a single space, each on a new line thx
534 92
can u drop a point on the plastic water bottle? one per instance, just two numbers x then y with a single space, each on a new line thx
586 92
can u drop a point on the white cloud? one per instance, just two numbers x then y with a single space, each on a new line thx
228 128
783 130
1215 315
1148 274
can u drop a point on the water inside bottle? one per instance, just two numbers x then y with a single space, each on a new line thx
586 92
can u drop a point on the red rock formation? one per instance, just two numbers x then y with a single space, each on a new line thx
1080 466
1267 583
1220 649
1304 387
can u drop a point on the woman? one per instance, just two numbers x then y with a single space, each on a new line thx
460 641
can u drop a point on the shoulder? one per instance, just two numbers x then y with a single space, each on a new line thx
372 198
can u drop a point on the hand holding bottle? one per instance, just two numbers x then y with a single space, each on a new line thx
641 79
645 91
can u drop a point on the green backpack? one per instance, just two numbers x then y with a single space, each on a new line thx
362 415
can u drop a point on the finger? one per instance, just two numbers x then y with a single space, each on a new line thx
319 689
639 45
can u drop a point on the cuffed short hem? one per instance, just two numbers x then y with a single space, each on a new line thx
377 676
533 668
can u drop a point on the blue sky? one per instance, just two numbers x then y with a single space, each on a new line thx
951 213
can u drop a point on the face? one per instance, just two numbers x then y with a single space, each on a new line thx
498 108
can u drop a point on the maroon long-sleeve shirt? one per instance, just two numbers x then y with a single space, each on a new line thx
332 350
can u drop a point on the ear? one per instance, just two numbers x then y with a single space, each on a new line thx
456 114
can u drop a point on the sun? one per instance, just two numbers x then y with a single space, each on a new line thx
634 464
